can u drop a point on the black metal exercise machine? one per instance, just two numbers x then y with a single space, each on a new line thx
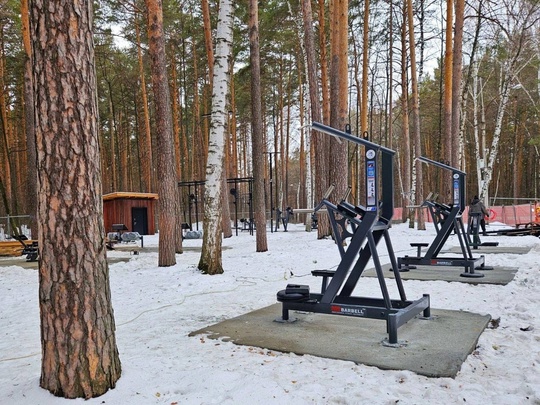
30 248
447 219
473 232
369 225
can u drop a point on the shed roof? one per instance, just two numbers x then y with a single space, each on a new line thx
129 195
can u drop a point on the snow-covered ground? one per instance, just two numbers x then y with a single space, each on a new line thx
156 308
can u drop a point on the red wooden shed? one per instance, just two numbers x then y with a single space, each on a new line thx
135 210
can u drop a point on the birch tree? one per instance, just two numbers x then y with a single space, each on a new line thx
418 186
514 30
226 215
210 262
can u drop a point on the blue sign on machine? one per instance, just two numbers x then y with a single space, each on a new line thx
456 190
371 183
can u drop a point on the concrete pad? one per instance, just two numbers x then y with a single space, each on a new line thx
21 262
499 275
435 347
518 250
155 249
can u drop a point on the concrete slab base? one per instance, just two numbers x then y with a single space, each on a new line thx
518 250
21 262
434 347
499 275
155 249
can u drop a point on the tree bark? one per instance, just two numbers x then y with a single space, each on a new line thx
419 187
338 95
29 125
177 133
5 155
447 107
365 70
145 145
79 353
320 166
210 261
166 176
457 66
406 137
257 135
325 90
208 41
521 22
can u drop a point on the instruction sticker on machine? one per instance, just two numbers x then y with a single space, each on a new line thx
371 182
456 189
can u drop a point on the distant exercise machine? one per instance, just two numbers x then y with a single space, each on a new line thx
368 226
121 235
446 219
530 228
473 232
30 248
284 217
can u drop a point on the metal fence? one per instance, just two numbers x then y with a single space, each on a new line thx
516 214
507 214
11 224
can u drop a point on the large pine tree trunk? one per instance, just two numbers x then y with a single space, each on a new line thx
177 133
79 353
145 144
406 138
321 159
457 67
257 135
166 175
365 71
320 164
6 160
338 96
447 107
29 126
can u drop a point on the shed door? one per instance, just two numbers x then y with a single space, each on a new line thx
139 220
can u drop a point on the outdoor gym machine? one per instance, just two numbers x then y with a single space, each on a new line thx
370 224
446 218
473 232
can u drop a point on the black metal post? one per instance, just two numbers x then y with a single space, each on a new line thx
271 182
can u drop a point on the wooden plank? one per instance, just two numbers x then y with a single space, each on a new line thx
12 248
306 210
123 194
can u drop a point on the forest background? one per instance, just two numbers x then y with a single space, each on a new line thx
499 95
